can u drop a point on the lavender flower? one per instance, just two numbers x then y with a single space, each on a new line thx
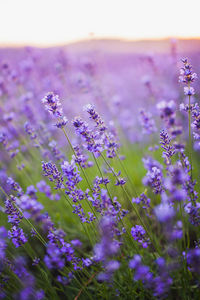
107 138
165 144
95 117
93 144
55 151
193 260
153 178
177 232
163 282
53 105
31 132
120 181
138 233
142 199
58 251
80 158
141 271
51 171
14 185
147 123
14 217
107 247
193 212
164 212
3 244
186 75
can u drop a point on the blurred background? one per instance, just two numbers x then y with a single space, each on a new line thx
55 22
121 55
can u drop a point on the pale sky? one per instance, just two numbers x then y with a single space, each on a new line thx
49 22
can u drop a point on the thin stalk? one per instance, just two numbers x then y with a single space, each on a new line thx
120 219
133 206
80 222
126 173
23 170
190 137
101 175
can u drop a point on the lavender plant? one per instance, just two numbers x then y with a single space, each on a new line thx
85 213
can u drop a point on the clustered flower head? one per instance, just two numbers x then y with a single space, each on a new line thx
160 285
107 248
107 137
53 174
14 217
53 106
186 75
147 122
95 117
166 145
3 244
92 143
143 200
139 235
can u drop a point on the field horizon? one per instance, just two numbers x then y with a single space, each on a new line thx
118 44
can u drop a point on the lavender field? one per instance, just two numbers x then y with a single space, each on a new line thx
99 171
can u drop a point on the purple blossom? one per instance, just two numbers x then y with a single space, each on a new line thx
186 75
55 151
177 232
80 158
76 243
153 178
141 271
14 217
14 185
31 132
36 261
167 110
93 144
53 105
86 262
120 181
51 171
139 234
166 145
147 123
95 117
193 260
3 244
59 252
164 212
189 91
162 282
71 173
17 235
194 213
107 248
142 199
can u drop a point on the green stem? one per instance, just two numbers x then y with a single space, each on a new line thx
133 206
190 136
120 219
126 173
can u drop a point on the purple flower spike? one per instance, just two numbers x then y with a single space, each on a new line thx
53 106
138 233
164 212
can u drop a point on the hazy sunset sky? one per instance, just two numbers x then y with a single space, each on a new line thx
48 22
